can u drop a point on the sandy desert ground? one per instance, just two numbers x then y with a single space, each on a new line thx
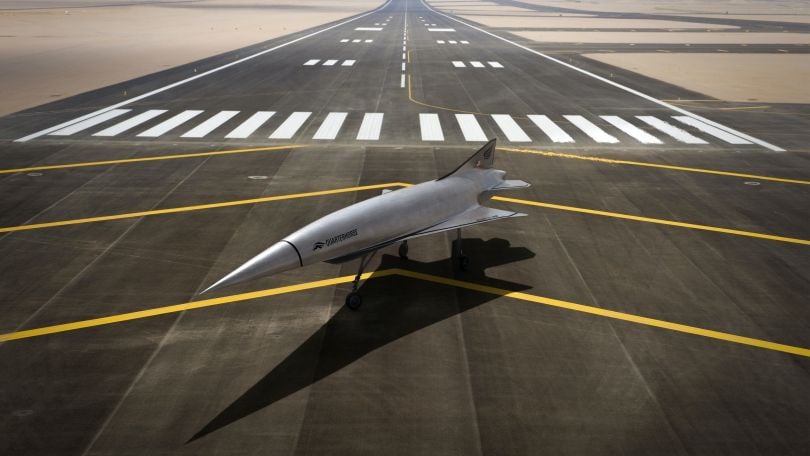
58 48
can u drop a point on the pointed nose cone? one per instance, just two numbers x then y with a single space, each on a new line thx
280 257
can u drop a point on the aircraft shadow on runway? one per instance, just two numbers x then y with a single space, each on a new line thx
390 310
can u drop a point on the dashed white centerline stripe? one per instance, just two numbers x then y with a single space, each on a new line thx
131 123
551 129
91 122
441 30
403 66
170 123
680 135
711 130
369 29
370 128
330 127
470 128
510 128
596 133
430 127
632 130
291 125
402 80
250 125
209 125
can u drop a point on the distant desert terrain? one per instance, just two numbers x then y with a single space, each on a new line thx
53 49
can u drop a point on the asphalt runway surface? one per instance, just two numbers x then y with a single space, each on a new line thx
654 301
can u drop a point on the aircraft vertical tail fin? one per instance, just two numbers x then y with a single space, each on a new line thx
483 159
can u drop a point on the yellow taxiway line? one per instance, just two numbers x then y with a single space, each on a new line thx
526 297
146 159
654 165
173 210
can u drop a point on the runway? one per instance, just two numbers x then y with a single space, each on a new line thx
654 301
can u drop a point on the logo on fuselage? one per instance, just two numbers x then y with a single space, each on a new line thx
335 239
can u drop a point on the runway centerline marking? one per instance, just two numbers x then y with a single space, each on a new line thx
199 207
521 296
620 86
189 79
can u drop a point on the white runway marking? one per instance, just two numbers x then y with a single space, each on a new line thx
369 29
477 64
330 127
403 48
717 125
369 41
440 41
250 125
671 130
551 129
711 130
291 125
209 125
91 122
596 133
453 42
430 127
344 40
370 128
465 42
441 30
168 124
458 64
403 56
470 127
403 66
330 62
348 63
632 130
311 62
510 128
355 40
130 123
402 81
495 64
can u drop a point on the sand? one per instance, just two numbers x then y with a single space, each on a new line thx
667 37
685 7
763 78
57 49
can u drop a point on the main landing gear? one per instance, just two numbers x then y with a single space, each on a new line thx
463 261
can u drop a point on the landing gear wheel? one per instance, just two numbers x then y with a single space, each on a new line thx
354 301
403 250
463 262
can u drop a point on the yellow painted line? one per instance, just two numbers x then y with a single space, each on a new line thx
637 218
655 165
199 207
182 307
83 324
146 159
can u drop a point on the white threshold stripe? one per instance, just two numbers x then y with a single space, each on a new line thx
760 142
371 126
344 40
92 122
430 127
209 125
251 124
510 128
680 135
495 64
551 129
632 130
189 79
291 125
170 123
130 123
311 62
402 80
711 130
330 127
477 64
355 41
470 127
458 64
596 133
348 63
440 41
330 62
